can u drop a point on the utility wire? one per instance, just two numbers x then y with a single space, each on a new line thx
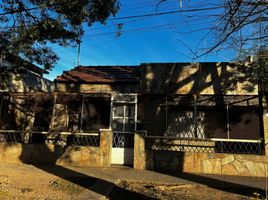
126 17
166 13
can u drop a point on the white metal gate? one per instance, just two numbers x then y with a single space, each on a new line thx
124 117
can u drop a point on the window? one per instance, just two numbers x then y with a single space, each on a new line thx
124 109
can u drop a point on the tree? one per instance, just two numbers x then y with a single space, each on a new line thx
242 25
29 26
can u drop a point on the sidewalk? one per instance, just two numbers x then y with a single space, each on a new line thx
99 182
114 173
226 183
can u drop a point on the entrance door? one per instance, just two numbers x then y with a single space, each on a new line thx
124 126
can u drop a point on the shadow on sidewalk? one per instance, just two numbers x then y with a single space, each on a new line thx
227 185
89 182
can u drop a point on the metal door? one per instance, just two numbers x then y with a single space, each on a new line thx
124 113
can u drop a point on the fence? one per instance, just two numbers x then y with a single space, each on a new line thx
205 145
63 148
123 140
212 156
56 138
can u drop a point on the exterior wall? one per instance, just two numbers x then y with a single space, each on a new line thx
62 155
151 112
98 88
25 81
199 78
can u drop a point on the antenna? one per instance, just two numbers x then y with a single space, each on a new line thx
78 53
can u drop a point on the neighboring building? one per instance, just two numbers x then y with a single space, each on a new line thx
18 75
20 80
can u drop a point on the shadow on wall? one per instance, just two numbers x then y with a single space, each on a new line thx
199 78
196 79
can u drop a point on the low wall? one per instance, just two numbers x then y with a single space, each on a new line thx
61 155
191 162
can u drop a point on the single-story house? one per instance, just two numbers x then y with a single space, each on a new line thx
170 100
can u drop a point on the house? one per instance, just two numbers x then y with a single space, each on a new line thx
170 100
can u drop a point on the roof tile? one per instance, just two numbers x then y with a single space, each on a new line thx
101 74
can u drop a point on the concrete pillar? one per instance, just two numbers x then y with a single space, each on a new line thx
106 144
265 129
140 154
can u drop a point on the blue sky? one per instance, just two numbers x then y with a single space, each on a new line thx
165 38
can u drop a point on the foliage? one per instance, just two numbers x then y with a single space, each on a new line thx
29 26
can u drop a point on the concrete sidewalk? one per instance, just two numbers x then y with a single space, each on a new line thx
99 182
130 174
115 173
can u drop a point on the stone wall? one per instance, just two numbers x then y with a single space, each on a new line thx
189 162
61 155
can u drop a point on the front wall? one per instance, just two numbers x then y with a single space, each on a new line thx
210 163
62 155
51 154
191 162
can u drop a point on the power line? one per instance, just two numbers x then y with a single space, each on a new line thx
165 13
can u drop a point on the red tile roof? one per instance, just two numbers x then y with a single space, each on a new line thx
101 74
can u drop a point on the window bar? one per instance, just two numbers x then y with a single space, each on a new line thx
124 119
136 113
111 112
228 120
53 112
26 135
82 114
195 116
260 114
166 116
1 103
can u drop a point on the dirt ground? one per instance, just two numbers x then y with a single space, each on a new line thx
30 182
139 190
20 182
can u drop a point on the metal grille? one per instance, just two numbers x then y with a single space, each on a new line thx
181 145
81 139
205 146
8 136
239 147
84 140
48 138
123 140
212 116
181 124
